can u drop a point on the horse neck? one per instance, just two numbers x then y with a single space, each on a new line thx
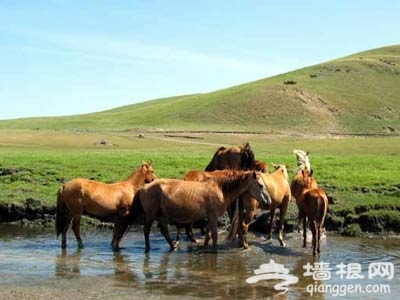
136 178
233 186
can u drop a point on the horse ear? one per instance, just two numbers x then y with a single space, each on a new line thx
308 152
149 162
254 174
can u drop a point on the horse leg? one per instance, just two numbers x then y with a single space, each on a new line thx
271 223
178 232
76 223
64 233
189 233
314 229
214 232
319 233
146 232
118 233
207 236
245 227
164 231
304 232
282 213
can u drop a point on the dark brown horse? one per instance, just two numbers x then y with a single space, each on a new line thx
235 158
179 201
107 201
313 205
278 189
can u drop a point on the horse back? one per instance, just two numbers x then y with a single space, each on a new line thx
316 205
179 200
277 186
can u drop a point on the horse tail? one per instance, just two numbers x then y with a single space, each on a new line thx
322 208
62 213
233 229
137 209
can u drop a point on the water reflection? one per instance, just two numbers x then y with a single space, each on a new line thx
67 266
123 271
188 272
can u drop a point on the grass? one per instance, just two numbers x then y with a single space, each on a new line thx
360 174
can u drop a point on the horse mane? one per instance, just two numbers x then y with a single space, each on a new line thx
303 161
210 166
231 179
134 173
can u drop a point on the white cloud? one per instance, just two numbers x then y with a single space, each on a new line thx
129 51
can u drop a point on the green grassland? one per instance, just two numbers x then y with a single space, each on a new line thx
346 111
360 174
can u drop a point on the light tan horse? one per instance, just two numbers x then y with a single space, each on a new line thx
179 201
107 201
277 186
313 205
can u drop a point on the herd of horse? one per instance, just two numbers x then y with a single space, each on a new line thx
233 181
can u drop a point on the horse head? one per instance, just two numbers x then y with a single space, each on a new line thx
303 160
247 157
147 171
257 188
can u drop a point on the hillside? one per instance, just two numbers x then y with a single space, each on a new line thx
357 94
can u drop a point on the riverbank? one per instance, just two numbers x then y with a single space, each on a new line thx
32 213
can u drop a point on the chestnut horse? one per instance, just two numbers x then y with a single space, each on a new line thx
236 158
195 175
106 201
179 201
313 205
277 186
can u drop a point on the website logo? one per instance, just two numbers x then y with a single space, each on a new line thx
274 271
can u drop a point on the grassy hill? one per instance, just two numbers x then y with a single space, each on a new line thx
357 94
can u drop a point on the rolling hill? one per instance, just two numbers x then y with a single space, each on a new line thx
356 94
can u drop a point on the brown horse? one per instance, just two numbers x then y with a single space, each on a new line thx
313 205
107 201
195 175
179 201
235 158
277 186
297 184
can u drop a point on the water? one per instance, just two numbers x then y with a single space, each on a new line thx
32 266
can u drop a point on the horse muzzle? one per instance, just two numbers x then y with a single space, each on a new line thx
265 198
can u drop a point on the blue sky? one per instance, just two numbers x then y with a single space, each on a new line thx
69 57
